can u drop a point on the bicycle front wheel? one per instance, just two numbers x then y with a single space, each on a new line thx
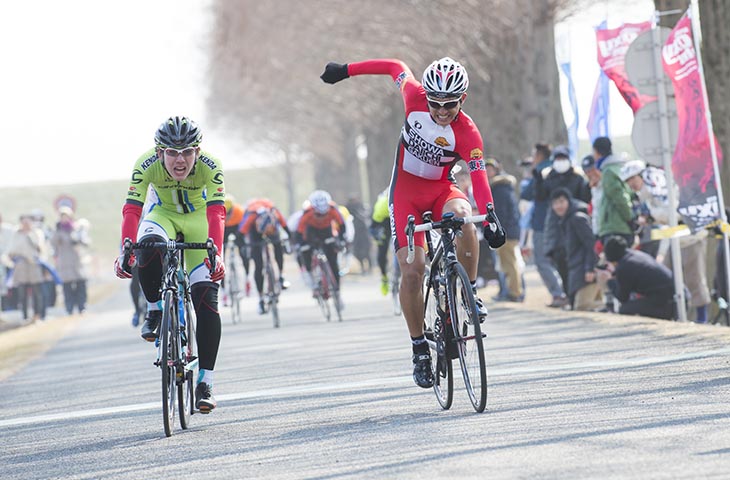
443 381
167 362
320 292
272 294
186 370
329 275
468 336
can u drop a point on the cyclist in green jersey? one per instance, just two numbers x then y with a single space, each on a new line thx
191 193
380 230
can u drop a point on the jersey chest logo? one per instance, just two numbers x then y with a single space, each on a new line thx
427 141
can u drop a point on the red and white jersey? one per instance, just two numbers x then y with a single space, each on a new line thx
428 150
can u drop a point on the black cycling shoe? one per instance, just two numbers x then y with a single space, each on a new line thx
204 400
151 322
422 373
262 307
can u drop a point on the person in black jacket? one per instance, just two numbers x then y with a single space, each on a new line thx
506 208
561 175
576 234
642 285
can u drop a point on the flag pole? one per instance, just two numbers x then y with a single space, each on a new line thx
676 250
697 35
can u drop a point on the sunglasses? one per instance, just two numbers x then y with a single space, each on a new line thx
447 104
174 153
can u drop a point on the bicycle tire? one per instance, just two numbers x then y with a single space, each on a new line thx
234 286
167 347
395 291
468 336
443 374
271 291
319 293
186 385
334 292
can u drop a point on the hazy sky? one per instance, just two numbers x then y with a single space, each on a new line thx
86 82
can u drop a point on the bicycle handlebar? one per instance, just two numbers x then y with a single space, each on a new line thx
449 221
172 245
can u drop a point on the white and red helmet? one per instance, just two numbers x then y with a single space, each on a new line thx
445 78
320 201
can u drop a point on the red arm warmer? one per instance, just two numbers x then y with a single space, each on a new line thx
386 66
216 224
482 191
131 214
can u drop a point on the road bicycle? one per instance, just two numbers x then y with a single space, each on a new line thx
177 353
234 281
272 285
452 323
324 284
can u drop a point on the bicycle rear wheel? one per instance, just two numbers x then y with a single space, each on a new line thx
443 381
468 336
395 286
233 283
167 362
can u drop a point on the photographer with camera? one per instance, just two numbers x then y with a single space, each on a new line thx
649 185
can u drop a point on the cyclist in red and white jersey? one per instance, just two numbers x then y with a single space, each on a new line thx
435 135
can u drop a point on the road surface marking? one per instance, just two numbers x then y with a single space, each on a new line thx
376 382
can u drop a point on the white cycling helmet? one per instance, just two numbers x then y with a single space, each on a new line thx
631 168
320 201
445 78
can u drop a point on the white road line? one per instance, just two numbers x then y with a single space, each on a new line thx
376 382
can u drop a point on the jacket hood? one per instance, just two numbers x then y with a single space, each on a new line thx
575 206
612 160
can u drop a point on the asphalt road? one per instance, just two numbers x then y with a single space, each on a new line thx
570 396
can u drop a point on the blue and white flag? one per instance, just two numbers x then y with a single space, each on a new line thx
562 54
597 125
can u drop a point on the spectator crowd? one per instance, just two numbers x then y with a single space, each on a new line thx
593 233
37 260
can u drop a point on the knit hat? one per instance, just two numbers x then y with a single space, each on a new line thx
614 248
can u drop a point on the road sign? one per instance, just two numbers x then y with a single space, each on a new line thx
65 200
646 135
639 64
640 68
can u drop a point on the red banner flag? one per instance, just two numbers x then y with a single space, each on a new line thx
692 161
612 46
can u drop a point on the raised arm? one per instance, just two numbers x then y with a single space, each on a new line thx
398 71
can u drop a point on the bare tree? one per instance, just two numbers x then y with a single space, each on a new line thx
267 57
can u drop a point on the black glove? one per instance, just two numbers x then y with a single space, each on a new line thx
334 72
494 234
